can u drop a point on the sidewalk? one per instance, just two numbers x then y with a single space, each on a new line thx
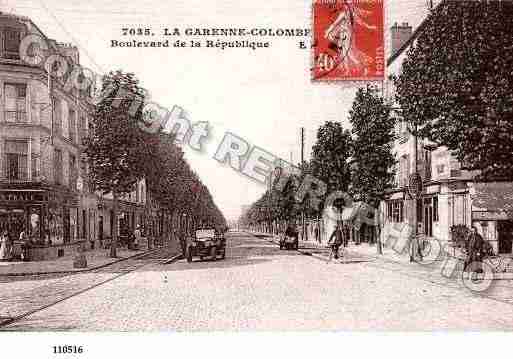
365 253
95 259
393 256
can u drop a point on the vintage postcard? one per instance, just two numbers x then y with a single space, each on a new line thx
200 166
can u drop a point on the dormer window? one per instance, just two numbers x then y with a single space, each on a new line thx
11 39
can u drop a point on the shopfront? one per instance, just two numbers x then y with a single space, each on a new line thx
492 214
48 218
22 211
62 218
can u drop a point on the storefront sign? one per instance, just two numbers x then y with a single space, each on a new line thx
21 196
433 189
455 186
415 186
491 216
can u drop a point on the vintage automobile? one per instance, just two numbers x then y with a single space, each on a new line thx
289 239
206 243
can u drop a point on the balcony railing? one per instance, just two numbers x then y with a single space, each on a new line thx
15 117
17 175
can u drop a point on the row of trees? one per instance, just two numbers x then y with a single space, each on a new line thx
123 147
455 89
359 162
456 84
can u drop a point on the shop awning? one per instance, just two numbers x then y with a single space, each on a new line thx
493 197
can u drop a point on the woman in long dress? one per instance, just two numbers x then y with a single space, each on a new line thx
5 246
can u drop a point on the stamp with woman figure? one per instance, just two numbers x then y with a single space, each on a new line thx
348 40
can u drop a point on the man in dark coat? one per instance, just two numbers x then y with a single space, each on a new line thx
475 247
336 240
316 232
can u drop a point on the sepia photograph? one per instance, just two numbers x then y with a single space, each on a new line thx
319 167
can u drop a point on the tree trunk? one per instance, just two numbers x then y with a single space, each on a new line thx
114 243
174 224
378 220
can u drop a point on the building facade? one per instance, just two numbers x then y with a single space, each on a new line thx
450 196
44 190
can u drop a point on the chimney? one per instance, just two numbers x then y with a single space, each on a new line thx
399 35
70 51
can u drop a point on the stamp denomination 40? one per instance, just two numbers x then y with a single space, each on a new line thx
348 40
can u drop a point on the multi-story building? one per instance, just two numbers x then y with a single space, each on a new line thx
450 194
39 143
43 176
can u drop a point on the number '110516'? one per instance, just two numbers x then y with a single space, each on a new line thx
68 349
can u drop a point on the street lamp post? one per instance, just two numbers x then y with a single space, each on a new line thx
414 185
415 204
269 203
80 260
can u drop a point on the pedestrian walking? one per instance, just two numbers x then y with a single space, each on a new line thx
336 240
345 231
317 233
5 246
24 245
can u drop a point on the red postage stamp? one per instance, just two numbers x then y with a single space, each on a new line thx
348 40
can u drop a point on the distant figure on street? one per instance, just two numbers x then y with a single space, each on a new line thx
137 236
346 230
24 245
336 240
475 248
317 233
5 246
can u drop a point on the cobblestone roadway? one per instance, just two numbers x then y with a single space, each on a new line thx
259 287
20 295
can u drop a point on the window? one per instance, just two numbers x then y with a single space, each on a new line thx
427 165
72 125
404 170
16 160
486 233
83 174
459 209
395 211
57 118
35 166
58 166
72 172
435 209
15 102
11 44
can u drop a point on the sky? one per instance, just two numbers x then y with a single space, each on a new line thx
263 96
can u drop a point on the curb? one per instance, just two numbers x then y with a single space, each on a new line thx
27 274
497 275
306 252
